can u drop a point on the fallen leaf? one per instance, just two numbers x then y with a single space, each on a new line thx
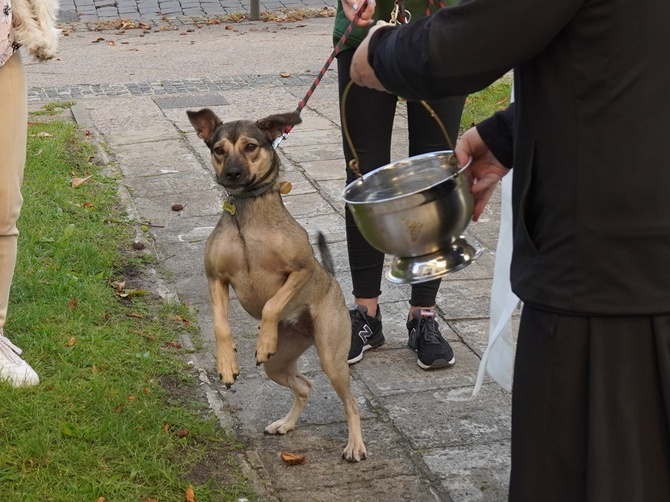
76 182
181 319
132 292
292 459
182 433
111 42
138 246
43 134
72 303
101 499
177 207
71 342
190 494
285 74
88 204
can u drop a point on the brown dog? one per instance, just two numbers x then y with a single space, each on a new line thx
260 250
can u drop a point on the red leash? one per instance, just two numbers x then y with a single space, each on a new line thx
318 78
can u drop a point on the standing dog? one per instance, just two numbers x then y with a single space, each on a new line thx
265 255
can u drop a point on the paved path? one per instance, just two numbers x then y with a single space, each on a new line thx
428 438
109 10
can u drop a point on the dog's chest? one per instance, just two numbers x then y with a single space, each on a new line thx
257 259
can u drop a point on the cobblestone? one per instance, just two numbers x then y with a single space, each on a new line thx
167 87
184 11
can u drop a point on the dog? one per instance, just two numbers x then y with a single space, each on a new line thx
260 250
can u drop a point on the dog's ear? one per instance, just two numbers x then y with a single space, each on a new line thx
204 122
274 125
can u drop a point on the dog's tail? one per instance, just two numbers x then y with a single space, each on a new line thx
326 257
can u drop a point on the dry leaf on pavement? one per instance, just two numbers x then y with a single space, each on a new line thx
293 459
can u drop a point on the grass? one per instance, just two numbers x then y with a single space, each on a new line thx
113 418
483 104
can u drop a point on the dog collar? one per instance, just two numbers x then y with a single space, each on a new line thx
284 188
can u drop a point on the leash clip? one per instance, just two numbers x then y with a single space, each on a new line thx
279 139
399 14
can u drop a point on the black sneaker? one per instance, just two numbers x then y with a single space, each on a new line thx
366 332
427 341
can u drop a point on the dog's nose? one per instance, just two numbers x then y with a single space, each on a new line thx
233 173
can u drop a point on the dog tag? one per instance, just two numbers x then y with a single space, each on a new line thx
285 187
227 206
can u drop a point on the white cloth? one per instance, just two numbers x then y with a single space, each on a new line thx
498 358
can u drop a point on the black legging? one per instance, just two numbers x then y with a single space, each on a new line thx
370 116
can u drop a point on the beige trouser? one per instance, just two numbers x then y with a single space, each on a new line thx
13 135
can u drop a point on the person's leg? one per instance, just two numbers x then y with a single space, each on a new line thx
13 137
425 136
369 121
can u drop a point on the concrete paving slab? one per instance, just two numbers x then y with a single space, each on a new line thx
393 372
472 473
444 417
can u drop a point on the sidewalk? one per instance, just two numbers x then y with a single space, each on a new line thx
428 439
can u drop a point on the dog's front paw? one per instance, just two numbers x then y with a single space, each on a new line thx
228 373
264 351
355 452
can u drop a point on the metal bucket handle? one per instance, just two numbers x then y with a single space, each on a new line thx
353 163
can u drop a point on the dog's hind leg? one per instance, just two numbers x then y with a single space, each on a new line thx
283 369
333 356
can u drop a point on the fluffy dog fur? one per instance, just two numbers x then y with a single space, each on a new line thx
260 250
35 26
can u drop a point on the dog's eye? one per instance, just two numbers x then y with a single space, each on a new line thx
250 147
218 150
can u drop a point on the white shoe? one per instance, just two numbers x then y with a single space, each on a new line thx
14 369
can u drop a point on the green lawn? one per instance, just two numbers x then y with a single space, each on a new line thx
113 418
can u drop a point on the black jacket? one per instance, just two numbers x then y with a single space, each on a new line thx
591 129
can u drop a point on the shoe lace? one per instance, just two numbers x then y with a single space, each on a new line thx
9 350
429 330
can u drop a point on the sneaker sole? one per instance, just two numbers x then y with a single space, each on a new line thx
356 359
436 364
